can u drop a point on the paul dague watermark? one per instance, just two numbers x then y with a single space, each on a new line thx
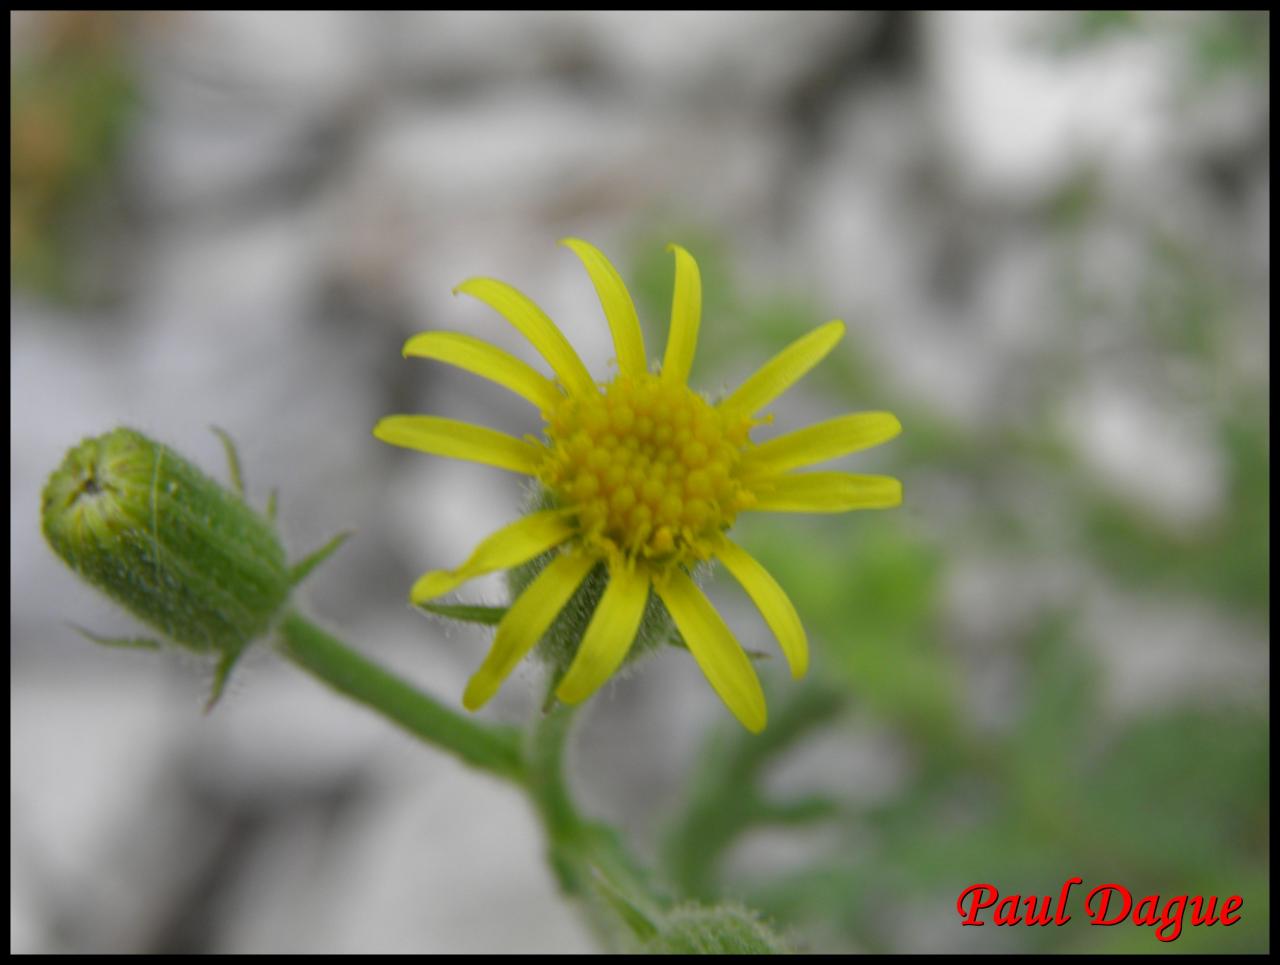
1104 905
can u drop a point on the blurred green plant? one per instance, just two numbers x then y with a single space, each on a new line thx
71 96
1227 41
1213 44
1169 801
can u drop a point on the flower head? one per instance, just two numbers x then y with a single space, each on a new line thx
644 477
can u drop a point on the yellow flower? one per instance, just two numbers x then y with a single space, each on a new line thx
645 476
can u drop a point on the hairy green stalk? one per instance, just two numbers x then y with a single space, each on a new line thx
494 749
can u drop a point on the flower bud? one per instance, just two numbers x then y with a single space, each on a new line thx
172 546
726 929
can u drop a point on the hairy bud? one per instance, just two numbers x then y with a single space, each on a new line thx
175 548
726 929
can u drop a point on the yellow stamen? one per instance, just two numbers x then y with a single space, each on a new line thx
651 467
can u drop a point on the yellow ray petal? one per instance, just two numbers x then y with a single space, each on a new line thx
460 440
510 546
772 602
827 492
826 440
686 313
488 362
609 634
712 644
525 623
533 324
784 369
628 340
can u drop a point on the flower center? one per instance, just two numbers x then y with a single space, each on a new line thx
651 467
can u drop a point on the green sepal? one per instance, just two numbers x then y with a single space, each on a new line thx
549 704
122 643
302 569
559 644
678 641
233 459
220 675
489 616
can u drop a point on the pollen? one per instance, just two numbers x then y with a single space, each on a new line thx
651 467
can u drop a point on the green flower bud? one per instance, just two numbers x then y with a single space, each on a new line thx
726 929
175 548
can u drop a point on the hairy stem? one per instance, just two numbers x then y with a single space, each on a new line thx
494 749
590 859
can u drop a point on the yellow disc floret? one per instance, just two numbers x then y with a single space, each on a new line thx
651 468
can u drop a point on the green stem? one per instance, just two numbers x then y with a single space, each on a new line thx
544 779
590 860
545 775
493 749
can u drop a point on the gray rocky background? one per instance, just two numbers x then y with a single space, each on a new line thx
982 197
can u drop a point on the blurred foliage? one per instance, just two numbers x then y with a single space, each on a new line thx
1212 43
1223 41
70 98
1229 560
1170 801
